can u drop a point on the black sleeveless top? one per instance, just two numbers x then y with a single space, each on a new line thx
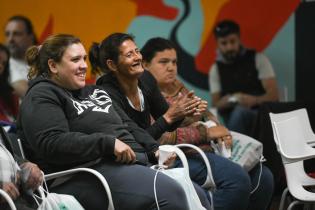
240 75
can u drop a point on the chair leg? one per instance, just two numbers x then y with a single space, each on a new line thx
283 197
293 204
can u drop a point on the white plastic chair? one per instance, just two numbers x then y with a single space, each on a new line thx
91 171
8 199
293 136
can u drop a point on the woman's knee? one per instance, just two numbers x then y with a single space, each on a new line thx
262 178
229 175
240 182
267 178
262 184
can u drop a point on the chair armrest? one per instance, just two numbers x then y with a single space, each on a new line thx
8 199
89 170
209 183
179 154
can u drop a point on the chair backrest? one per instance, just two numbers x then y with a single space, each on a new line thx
17 147
292 134
11 141
8 199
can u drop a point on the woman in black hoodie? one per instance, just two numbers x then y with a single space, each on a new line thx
64 124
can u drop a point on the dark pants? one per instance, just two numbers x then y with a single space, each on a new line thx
131 187
240 119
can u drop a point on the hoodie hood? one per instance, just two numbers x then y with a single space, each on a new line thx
38 80
108 78
42 79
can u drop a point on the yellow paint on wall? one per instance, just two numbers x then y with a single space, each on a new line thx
211 8
89 20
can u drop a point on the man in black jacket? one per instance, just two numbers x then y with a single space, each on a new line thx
240 79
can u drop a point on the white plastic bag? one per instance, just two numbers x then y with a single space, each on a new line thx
180 175
246 151
54 201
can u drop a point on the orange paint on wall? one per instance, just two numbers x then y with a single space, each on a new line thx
259 21
89 20
210 11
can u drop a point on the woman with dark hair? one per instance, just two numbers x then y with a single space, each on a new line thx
160 58
9 103
64 124
124 74
134 89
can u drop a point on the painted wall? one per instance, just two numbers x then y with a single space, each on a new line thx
266 25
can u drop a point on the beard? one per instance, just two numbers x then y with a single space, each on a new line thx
16 52
230 56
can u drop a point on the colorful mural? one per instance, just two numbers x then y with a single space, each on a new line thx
188 23
259 20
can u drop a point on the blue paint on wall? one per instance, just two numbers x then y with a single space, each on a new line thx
190 32
281 53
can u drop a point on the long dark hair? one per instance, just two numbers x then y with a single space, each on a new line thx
107 49
5 87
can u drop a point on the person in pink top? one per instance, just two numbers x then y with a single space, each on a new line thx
8 100
234 185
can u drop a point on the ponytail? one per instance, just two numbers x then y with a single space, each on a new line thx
32 59
94 57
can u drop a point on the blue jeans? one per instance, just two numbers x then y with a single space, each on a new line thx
233 183
241 119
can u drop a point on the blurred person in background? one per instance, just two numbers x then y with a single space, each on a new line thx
19 36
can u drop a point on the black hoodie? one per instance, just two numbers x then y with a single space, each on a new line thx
155 104
62 129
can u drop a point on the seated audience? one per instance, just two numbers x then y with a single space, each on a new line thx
19 36
9 103
160 58
64 124
120 79
18 179
240 79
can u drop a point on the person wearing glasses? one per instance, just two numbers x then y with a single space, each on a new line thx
240 79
